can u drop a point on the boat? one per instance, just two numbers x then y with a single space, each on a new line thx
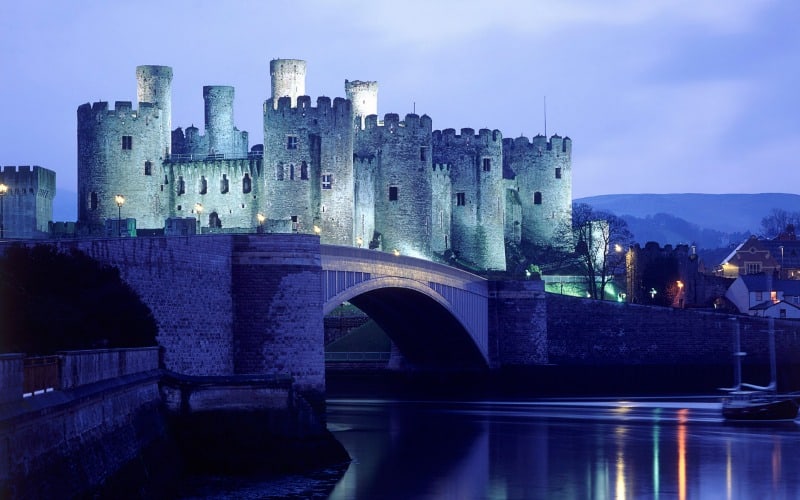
753 403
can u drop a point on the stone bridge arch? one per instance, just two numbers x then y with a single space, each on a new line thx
436 315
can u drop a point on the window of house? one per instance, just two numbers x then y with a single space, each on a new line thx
393 193
537 198
291 142
181 186
247 183
93 200
148 168
558 172
773 296
327 181
752 267
127 142
223 184
487 164
461 199
203 184
304 171
423 154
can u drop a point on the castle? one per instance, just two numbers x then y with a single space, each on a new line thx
26 201
330 167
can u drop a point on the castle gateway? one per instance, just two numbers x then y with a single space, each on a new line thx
330 167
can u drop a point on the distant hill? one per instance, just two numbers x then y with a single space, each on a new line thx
708 220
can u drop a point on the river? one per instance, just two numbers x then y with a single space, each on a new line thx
553 449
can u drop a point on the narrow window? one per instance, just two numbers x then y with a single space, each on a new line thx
93 201
327 180
223 184
214 220
304 171
393 193
441 219
461 199
537 198
181 185
295 223
423 154
247 184
127 142
279 172
203 184
291 142
558 172
148 168
291 172
487 164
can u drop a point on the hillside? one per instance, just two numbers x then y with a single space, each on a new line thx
708 220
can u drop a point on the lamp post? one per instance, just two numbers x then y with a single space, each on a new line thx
359 241
120 201
198 209
3 191
261 218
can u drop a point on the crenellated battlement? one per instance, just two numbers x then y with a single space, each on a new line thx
340 106
485 137
391 123
538 144
26 179
99 111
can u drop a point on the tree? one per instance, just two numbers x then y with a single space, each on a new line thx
777 221
601 240
55 301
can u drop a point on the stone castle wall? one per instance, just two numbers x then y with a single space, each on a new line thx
28 203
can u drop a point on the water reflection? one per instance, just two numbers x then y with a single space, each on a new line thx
559 449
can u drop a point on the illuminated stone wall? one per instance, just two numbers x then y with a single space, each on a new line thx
28 203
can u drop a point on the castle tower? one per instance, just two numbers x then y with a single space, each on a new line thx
219 119
403 180
154 85
288 79
28 203
308 166
121 150
542 170
478 194
364 98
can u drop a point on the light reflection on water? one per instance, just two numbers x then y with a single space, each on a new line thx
560 449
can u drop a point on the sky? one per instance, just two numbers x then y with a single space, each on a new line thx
658 96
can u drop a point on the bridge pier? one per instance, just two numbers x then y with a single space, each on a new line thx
517 323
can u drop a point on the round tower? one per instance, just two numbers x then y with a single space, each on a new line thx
288 79
154 85
364 98
219 118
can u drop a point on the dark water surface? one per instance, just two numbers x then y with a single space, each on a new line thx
571 449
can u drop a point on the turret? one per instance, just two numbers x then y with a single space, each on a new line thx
288 79
364 98
219 119
154 85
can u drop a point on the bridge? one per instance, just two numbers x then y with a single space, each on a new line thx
437 315
229 304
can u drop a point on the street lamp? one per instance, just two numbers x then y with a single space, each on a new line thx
120 201
359 241
198 208
3 191
261 218
317 230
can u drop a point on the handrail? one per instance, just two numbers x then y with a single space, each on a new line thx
187 157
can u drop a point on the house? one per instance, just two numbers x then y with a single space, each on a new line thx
766 296
754 256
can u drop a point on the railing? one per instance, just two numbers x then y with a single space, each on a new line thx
23 377
353 357
40 374
187 157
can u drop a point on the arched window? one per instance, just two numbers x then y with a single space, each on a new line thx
291 172
93 200
181 185
203 184
279 172
537 198
223 184
304 171
247 184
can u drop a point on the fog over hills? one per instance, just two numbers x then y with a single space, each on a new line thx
708 220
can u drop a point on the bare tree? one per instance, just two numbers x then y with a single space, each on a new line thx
601 241
777 221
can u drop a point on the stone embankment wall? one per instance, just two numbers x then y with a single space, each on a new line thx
101 424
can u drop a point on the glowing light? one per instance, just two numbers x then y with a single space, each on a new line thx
261 218
680 285
617 248
396 252
120 200
317 229
359 241
198 208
